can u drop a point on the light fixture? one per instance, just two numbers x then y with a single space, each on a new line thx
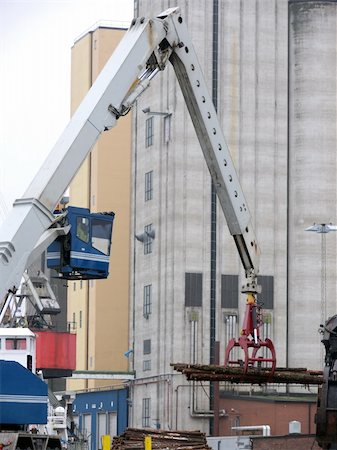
322 228
147 234
147 110
128 353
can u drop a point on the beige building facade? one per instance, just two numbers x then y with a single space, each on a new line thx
98 310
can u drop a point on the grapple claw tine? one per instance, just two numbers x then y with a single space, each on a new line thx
251 359
250 341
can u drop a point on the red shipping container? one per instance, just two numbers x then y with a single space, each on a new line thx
55 350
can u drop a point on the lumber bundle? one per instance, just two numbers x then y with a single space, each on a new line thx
198 372
133 439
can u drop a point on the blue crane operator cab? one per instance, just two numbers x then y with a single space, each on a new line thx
84 252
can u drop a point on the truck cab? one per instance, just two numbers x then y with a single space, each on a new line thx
18 344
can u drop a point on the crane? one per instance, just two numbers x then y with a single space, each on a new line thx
146 49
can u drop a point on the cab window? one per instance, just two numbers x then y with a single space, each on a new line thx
101 235
16 344
82 229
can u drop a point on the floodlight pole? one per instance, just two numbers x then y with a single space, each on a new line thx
323 229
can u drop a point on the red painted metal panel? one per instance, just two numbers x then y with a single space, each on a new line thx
55 350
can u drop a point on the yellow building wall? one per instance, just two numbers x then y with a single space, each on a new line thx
103 184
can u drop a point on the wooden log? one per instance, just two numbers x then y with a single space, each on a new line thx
133 439
281 375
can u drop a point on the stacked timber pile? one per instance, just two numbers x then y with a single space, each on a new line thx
133 439
199 372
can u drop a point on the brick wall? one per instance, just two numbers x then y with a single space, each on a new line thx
275 413
299 442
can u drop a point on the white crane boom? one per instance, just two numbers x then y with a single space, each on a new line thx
144 51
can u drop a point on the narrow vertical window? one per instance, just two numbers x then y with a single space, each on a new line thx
146 346
229 291
148 185
231 325
266 298
146 406
80 319
82 229
147 365
193 289
148 239
147 301
149 132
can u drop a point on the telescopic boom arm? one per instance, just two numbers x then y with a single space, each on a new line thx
144 51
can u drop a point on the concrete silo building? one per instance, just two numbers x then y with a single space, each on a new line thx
186 286
270 66
312 175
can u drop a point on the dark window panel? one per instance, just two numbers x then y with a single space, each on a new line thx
266 298
193 289
229 291
147 346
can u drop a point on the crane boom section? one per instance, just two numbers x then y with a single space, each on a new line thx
32 214
215 149
144 51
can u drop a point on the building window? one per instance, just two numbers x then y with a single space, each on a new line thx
146 406
193 289
229 291
149 132
16 344
148 185
80 319
266 298
148 239
147 301
147 365
146 346
231 325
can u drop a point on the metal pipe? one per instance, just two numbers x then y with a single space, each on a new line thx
193 411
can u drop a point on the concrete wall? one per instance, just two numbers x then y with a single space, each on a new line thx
312 176
252 104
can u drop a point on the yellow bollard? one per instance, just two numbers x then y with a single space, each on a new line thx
106 442
147 443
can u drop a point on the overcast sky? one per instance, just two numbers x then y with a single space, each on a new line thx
36 37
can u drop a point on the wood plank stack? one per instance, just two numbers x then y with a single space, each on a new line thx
198 372
133 439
